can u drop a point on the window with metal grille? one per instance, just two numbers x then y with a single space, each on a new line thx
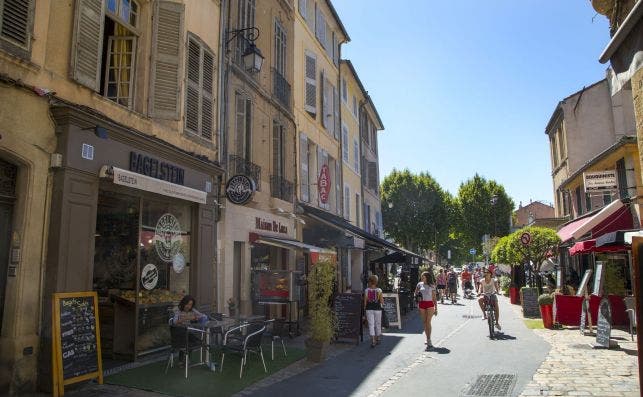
199 102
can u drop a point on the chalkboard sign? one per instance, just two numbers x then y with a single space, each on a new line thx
76 354
582 288
348 313
392 309
598 279
604 324
529 300
583 316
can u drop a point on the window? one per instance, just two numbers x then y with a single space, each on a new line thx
320 26
367 217
563 141
358 205
354 106
280 49
16 25
579 202
607 198
588 202
356 155
310 104
303 160
243 126
344 91
303 8
347 202
378 222
345 148
246 19
554 150
199 98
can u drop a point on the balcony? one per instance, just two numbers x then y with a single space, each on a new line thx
281 88
281 188
238 165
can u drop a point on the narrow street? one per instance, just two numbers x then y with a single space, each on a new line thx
400 366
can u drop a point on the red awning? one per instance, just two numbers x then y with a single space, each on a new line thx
614 216
587 246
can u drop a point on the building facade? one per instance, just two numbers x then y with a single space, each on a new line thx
114 172
528 214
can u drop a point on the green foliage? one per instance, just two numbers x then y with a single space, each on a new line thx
510 250
614 282
505 282
545 299
320 289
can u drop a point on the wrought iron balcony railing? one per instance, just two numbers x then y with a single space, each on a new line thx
281 88
239 165
281 188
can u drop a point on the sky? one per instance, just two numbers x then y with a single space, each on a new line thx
466 87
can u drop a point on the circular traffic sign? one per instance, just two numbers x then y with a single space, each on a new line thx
472 251
525 238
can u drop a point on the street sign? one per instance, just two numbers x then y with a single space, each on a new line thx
472 251
323 184
525 238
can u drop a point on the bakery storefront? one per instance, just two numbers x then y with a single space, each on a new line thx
149 210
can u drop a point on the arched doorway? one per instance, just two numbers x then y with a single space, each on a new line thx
8 173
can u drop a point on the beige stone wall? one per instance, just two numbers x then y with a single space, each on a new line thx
637 97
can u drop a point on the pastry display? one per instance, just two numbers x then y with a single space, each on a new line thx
150 297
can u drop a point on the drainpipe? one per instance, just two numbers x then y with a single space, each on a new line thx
365 265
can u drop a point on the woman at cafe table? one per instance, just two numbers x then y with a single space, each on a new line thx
187 313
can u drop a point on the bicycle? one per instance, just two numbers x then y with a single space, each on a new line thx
490 311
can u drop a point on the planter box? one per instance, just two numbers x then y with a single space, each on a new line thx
316 350
546 312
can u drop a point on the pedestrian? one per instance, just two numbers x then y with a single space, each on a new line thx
442 284
373 303
477 275
452 285
427 306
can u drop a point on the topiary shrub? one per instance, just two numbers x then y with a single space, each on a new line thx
545 299
320 289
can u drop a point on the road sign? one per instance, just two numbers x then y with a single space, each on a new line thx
525 238
472 251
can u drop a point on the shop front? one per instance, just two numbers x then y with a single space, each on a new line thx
134 221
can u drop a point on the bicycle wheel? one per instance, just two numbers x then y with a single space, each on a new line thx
490 321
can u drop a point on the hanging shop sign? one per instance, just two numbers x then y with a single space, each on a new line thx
149 276
270 226
150 184
599 181
240 189
323 184
155 168
167 237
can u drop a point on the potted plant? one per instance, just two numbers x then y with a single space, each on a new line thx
321 316
504 281
546 301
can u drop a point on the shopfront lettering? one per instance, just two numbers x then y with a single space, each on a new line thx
270 226
155 168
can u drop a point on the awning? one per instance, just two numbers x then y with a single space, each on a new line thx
341 224
613 216
619 237
286 243
395 257
587 246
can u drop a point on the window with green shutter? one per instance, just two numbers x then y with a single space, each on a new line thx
199 102
16 26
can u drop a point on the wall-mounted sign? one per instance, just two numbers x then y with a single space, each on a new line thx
274 226
597 181
323 184
149 276
240 189
167 237
155 168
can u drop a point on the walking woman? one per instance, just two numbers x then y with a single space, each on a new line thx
373 303
442 284
427 305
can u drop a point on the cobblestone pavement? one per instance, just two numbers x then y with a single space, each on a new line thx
574 368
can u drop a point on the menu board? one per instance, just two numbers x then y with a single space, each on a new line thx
348 313
392 309
529 300
604 323
582 288
584 311
76 354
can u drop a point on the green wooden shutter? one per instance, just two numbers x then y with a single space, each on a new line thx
207 95
193 87
86 57
167 44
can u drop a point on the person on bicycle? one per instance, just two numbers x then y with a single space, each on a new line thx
466 280
452 284
442 284
488 290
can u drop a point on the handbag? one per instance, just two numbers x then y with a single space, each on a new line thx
385 323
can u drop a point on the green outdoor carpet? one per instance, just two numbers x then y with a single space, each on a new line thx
203 382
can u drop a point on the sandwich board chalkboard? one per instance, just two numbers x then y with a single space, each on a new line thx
392 309
604 324
348 313
529 300
585 317
76 354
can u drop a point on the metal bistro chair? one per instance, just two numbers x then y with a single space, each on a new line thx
631 314
186 339
275 331
235 342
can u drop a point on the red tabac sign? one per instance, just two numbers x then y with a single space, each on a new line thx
323 184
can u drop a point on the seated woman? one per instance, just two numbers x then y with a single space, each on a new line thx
187 313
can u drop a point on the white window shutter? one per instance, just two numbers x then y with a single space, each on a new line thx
356 155
87 46
345 149
310 104
303 161
167 42
324 100
15 25
372 175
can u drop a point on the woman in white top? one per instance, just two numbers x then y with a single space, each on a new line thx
426 304
488 287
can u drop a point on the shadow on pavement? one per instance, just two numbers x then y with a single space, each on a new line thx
439 350
502 336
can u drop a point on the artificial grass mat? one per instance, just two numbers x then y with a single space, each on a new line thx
534 324
203 382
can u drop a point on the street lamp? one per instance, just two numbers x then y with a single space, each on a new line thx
252 57
494 201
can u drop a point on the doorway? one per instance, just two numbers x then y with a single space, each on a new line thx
8 174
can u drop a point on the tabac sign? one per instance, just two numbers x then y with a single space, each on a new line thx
600 181
323 184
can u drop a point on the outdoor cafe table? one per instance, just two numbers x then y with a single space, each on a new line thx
211 326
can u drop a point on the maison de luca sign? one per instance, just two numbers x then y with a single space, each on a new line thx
599 181
323 184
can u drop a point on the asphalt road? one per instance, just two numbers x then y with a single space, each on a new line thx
401 367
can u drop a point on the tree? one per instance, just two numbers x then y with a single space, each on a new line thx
414 210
